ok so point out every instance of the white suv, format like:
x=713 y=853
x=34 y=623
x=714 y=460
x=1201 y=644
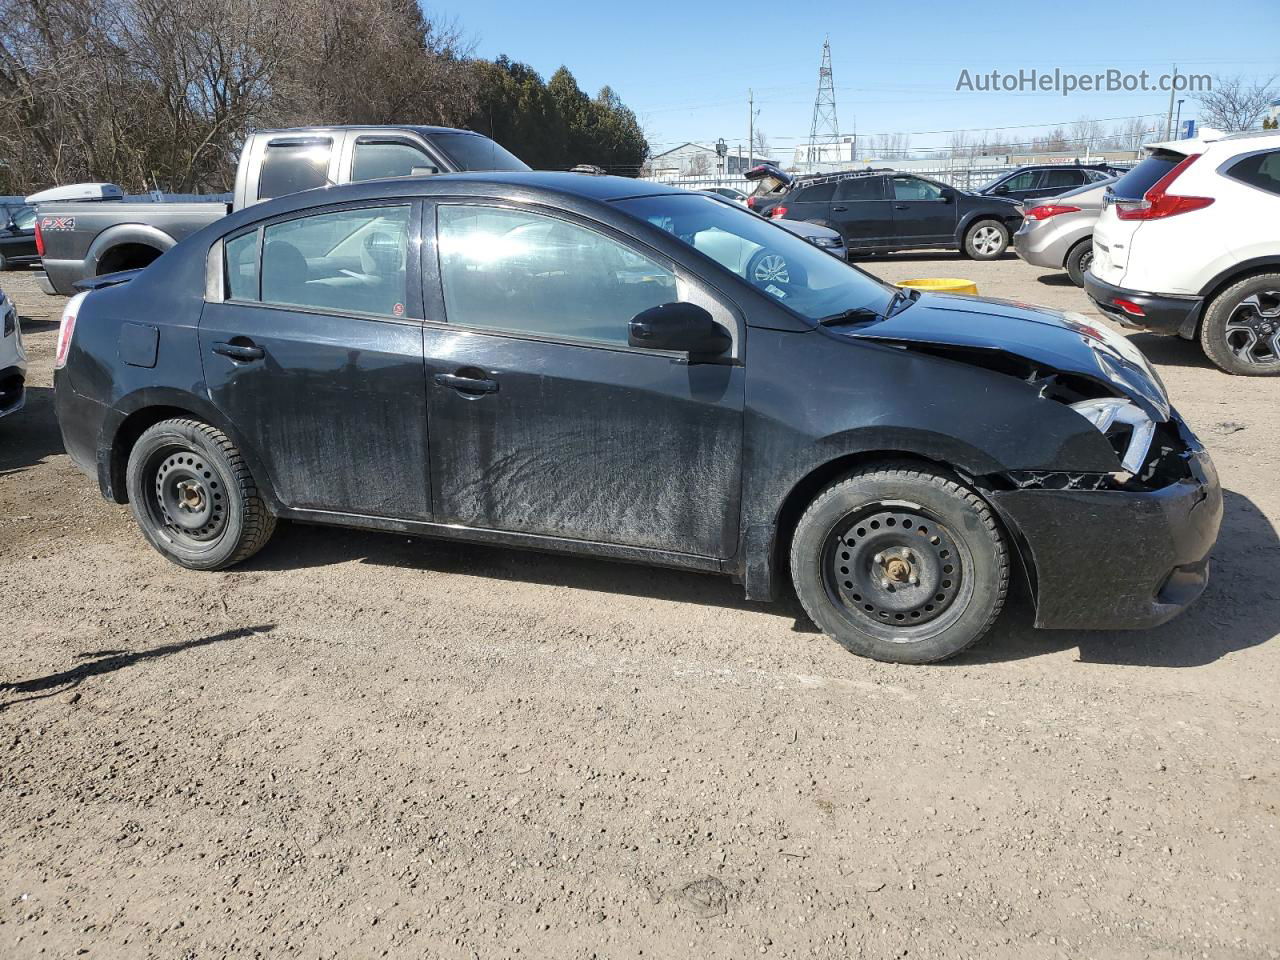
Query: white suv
x=1189 y=244
x=13 y=359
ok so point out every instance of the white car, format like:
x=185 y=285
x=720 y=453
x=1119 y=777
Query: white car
x=1188 y=243
x=13 y=359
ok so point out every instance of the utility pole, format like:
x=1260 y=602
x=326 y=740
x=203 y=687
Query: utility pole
x=1177 y=121
x=751 y=128
x=1173 y=85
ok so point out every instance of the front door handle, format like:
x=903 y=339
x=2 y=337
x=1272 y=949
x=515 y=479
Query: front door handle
x=467 y=384
x=240 y=351
x=839 y=209
x=899 y=206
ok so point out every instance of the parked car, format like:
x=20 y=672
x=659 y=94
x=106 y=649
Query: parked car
x=1187 y=244
x=822 y=237
x=13 y=359
x=737 y=196
x=18 y=237
x=877 y=211
x=589 y=365
x=1047 y=180
x=81 y=233
x=1058 y=232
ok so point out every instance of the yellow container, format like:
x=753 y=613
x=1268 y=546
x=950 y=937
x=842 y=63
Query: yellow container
x=942 y=285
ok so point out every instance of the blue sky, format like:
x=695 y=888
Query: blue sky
x=685 y=68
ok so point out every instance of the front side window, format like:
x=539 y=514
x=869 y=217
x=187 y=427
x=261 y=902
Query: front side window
x=376 y=160
x=1023 y=181
x=470 y=151
x=1262 y=170
x=528 y=273
x=24 y=218
x=348 y=261
x=910 y=188
x=294 y=165
x=775 y=261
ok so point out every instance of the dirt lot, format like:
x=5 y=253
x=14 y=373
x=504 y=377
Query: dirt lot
x=361 y=745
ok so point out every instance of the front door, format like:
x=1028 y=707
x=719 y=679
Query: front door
x=543 y=420
x=921 y=215
x=315 y=356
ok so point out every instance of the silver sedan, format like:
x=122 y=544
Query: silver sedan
x=1058 y=231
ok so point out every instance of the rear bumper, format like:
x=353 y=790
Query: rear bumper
x=1113 y=560
x=59 y=276
x=1038 y=243
x=1161 y=312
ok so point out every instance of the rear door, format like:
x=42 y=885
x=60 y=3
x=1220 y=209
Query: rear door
x=543 y=420
x=313 y=351
x=862 y=213
x=920 y=214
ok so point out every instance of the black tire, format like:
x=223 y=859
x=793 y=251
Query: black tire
x=1078 y=261
x=843 y=565
x=1240 y=331
x=986 y=240
x=4 y=264
x=768 y=266
x=194 y=498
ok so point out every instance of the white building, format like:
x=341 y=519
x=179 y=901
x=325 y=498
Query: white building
x=701 y=160
x=826 y=156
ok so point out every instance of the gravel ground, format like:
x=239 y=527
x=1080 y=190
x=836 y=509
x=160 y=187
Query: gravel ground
x=360 y=745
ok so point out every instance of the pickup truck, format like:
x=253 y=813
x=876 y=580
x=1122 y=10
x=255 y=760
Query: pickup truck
x=88 y=230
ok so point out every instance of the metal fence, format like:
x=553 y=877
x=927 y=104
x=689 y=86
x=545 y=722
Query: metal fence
x=962 y=178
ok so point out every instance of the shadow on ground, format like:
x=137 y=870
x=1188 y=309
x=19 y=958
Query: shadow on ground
x=31 y=435
x=99 y=662
x=1172 y=351
x=1055 y=280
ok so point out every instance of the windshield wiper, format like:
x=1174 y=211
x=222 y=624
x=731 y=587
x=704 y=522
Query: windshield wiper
x=856 y=315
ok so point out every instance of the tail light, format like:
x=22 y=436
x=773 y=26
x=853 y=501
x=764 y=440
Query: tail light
x=1157 y=203
x=1047 y=210
x=751 y=202
x=66 y=328
x=777 y=213
x=39 y=239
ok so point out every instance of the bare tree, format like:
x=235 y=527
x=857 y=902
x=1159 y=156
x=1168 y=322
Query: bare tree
x=1235 y=103
x=760 y=143
x=1084 y=135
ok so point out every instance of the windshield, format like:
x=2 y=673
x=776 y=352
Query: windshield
x=791 y=270
x=470 y=151
x=991 y=184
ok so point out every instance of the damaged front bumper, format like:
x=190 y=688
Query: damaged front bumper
x=1117 y=558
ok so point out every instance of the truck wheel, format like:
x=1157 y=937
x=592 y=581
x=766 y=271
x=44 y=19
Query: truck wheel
x=1079 y=260
x=194 y=498
x=986 y=240
x=1240 y=332
x=900 y=563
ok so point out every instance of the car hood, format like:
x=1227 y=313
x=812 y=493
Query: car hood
x=1066 y=342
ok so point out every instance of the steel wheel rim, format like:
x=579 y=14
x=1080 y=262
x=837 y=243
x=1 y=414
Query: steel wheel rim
x=1086 y=261
x=1252 y=330
x=986 y=239
x=185 y=497
x=772 y=267
x=873 y=554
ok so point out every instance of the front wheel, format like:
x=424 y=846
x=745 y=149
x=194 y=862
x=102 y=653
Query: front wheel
x=1240 y=332
x=986 y=240
x=194 y=497
x=900 y=563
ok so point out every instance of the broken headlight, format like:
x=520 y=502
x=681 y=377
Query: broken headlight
x=1124 y=424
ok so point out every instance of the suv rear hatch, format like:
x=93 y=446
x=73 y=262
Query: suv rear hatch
x=1113 y=237
x=772 y=185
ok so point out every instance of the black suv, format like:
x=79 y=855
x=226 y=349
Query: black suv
x=879 y=210
x=1047 y=180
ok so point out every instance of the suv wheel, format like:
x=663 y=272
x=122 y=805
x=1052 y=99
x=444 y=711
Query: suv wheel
x=986 y=240
x=1240 y=332
x=1079 y=260
x=194 y=498
x=900 y=563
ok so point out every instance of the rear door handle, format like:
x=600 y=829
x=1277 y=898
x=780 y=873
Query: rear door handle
x=899 y=206
x=240 y=351
x=839 y=209
x=467 y=384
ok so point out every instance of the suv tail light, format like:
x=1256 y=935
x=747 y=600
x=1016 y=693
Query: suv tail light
x=39 y=239
x=1158 y=203
x=1047 y=210
x=777 y=213
x=66 y=328
x=751 y=201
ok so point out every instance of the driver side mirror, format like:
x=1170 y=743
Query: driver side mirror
x=1002 y=189
x=681 y=326
x=425 y=171
x=947 y=196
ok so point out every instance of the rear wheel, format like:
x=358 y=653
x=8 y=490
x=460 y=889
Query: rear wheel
x=1240 y=332
x=986 y=240
x=194 y=498
x=1079 y=260
x=900 y=563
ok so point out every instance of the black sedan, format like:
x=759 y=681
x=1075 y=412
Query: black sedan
x=592 y=365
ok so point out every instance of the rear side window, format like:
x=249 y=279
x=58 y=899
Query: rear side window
x=376 y=159
x=1062 y=178
x=349 y=261
x=1134 y=184
x=1262 y=170
x=292 y=166
x=860 y=188
x=819 y=193
x=241 y=265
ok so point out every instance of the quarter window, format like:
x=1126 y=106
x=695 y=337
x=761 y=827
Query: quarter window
x=349 y=261
x=294 y=165
x=524 y=272
x=1262 y=170
x=241 y=259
